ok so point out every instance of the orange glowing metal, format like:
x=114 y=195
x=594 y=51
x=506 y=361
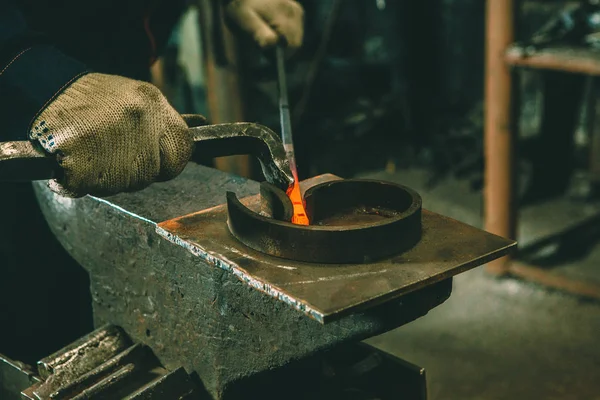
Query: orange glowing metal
x=299 y=217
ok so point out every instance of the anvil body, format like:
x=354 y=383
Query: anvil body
x=189 y=311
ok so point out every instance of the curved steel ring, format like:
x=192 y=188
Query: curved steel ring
x=352 y=221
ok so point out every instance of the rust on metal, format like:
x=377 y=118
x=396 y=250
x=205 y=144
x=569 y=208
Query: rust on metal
x=447 y=247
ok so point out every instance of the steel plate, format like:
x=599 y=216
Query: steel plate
x=325 y=293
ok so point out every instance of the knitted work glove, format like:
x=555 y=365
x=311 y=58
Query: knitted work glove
x=267 y=20
x=112 y=134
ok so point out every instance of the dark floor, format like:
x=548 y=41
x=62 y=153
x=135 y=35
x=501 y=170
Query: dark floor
x=504 y=338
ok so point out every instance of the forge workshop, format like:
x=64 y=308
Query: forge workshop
x=299 y=199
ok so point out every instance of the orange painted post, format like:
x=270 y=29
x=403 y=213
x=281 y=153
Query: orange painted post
x=500 y=208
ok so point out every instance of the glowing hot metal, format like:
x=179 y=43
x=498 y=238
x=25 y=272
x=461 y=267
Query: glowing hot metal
x=299 y=217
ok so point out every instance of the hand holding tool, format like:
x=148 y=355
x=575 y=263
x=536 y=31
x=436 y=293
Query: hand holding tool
x=293 y=192
x=25 y=161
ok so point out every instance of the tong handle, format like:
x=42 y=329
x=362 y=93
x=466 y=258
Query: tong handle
x=247 y=138
x=22 y=161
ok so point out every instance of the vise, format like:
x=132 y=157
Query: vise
x=165 y=268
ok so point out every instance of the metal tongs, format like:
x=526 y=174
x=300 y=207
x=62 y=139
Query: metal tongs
x=25 y=161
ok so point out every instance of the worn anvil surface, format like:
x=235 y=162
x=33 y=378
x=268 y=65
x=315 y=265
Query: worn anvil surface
x=189 y=312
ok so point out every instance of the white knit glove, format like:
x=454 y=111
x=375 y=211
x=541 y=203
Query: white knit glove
x=112 y=134
x=268 y=20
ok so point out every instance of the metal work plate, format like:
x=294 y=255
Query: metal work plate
x=326 y=292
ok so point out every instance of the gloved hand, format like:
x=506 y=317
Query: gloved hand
x=268 y=20
x=112 y=134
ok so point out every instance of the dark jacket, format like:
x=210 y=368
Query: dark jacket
x=40 y=284
x=46 y=44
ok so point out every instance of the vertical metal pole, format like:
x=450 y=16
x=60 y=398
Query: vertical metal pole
x=500 y=134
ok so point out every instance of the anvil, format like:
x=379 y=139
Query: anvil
x=226 y=313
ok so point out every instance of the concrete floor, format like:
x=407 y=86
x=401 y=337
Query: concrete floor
x=504 y=338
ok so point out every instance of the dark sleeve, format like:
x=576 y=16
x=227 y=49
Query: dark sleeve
x=32 y=73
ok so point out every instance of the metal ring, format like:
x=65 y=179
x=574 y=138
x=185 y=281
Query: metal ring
x=352 y=221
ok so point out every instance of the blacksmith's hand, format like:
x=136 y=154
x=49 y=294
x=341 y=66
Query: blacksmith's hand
x=267 y=21
x=112 y=134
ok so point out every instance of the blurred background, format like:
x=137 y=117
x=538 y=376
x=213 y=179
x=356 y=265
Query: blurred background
x=486 y=108
x=396 y=90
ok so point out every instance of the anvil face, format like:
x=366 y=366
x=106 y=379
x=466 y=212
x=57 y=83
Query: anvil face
x=326 y=292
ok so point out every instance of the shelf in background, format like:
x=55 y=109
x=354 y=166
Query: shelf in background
x=582 y=60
